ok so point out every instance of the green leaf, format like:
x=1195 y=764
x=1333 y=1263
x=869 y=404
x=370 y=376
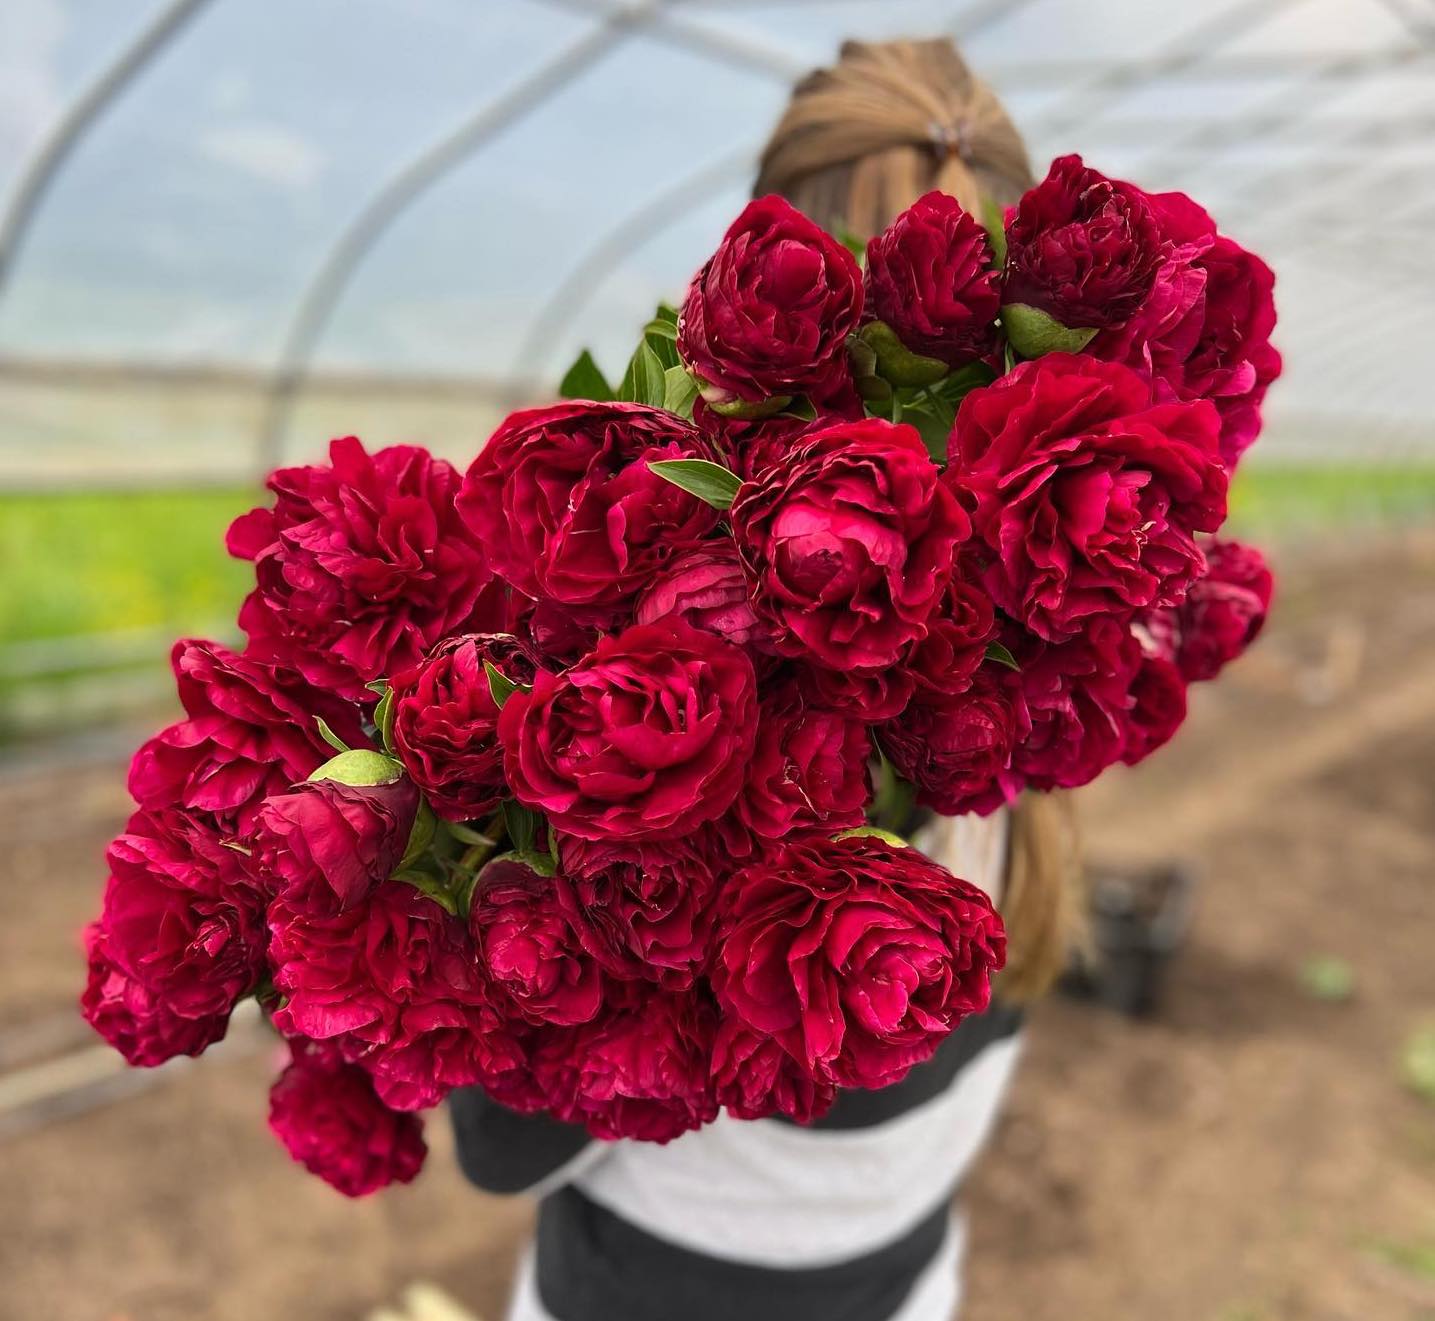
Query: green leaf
x=384 y=719
x=680 y=391
x=1033 y=332
x=420 y=836
x=584 y=380
x=328 y=735
x=708 y=481
x=802 y=407
x=431 y=886
x=994 y=221
x=521 y=823
x=467 y=834
x=359 y=766
x=956 y=387
x=1002 y=656
x=934 y=428
x=874 y=832
x=748 y=410
x=643 y=382
x=895 y=361
x=500 y=686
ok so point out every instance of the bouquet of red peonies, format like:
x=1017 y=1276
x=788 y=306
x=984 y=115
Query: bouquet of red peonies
x=575 y=777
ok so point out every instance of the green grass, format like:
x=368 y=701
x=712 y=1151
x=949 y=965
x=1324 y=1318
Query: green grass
x=92 y=562
x=1272 y=500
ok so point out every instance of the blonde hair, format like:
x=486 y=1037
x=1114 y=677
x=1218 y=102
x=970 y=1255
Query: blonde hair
x=858 y=143
x=864 y=139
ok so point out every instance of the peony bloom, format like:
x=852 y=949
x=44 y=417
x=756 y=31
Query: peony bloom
x=808 y=767
x=754 y=1077
x=1225 y=610
x=347 y=838
x=1085 y=497
x=566 y=508
x=1079 y=696
x=958 y=751
x=1158 y=706
x=871 y=695
x=139 y=1023
x=330 y=1120
x=1204 y=330
x=1082 y=248
x=528 y=948
x=361 y=566
x=643 y=911
x=929 y=277
x=645 y=738
x=705 y=588
x=769 y=314
x=446 y=723
x=391 y=975
x=848 y=546
x=180 y=937
x=943 y=663
x=856 y=955
x=639 y=1072
x=249 y=730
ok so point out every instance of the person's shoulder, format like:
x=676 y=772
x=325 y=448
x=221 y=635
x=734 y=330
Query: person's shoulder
x=502 y=1151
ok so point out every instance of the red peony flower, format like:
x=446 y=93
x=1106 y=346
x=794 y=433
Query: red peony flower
x=182 y=917
x=361 y=566
x=138 y=1022
x=856 y=955
x=871 y=695
x=528 y=948
x=645 y=738
x=848 y=546
x=446 y=723
x=370 y=974
x=1224 y=611
x=250 y=730
x=1086 y=497
x=943 y=663
x=643 y=911
x=640 y=1072
x=1204 y=330
x=1079 y=697
x=1158 y=694
x=808 y=767
x=754 y=1078
x=348 y=838
x=958 y=751
x=329 y=1119
x=1081 y=247
x=770 y=312
x=566 y=508
x=929 y=277
x=705 y=588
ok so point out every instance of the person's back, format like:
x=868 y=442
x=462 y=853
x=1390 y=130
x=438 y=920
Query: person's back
x=849 y=1218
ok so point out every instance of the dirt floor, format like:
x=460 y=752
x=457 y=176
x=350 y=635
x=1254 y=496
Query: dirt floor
x=1251 y=1153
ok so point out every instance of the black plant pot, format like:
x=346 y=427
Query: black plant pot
x=1139 y=917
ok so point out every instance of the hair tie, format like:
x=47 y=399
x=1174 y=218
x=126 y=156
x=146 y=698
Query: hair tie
x=950 y=140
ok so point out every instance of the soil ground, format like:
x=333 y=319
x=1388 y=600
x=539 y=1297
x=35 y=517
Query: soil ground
x=1250 y=1153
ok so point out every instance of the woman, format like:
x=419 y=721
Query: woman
x=848 y=1219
